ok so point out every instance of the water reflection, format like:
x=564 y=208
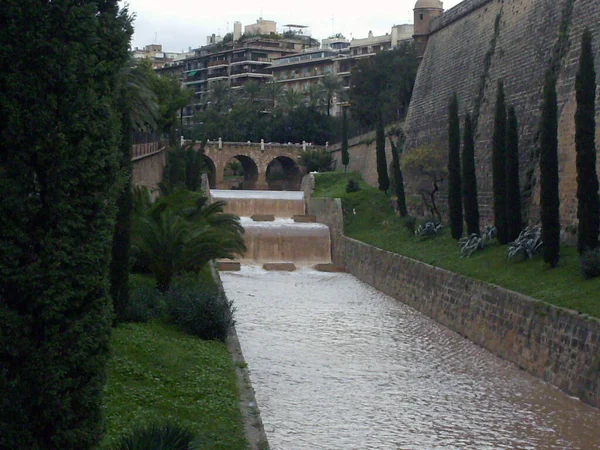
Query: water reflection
x=338 y=365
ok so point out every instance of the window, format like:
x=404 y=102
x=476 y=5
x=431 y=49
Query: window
x=421 y=16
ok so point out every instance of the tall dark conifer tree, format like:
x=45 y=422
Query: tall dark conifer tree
x=469 y=179
x=59 y=160
x=499 y=165
x=454 y=181
x=382 y=172
x=345 y=155
x=549 y=196
x=398 y=177
x=588 y=202
x=513 y=191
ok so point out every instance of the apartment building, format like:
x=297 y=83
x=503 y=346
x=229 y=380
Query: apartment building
x=336 y=58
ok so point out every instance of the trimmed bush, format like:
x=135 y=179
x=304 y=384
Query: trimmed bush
x=590 y=263
x=145 y=302
x=352 y=186
x=168 y=436
x=199 y=312
x=409 y=223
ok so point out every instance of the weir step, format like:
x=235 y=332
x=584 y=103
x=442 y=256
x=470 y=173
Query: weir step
x=284 y=267
x=228 y=266
x=263 y=217
x=305 y=219
x=329 y=268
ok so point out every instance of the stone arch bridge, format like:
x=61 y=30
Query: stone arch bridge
x=261 y=165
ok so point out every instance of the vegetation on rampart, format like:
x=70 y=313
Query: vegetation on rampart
x=374 y=222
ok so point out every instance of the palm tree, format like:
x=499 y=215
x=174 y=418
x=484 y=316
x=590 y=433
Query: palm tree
x=331 y=85
x=293 y=99
x=182 y=232
x=219 y=95
x=273 y=92
x=315 y=95
x=250 y=92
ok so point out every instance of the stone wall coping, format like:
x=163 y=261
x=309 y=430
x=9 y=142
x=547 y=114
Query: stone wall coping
x=137 y=158
x=266 y=144
x=456 y=13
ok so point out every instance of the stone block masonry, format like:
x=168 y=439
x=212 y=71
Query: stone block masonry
x=468 y=54
x=557 y=345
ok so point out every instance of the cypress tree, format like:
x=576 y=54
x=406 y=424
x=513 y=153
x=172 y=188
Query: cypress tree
x=499 y=166
x=549 y=197
x=345 y=155
x=513 y=192
x=469 y=179
x=398 y=178
x=588 y=201
x=59 y=161
x=454 y=181
x=119 y=262
x=382 y=172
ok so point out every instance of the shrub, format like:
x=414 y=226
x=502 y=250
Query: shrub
x=528 y=244
x=168 y=436
x=410 y=223
x=200 y=312
x=352 y=186
x=428 y=230
x=590 y=263
x=145 y=302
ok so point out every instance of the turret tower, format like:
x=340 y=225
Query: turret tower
x=425 y=12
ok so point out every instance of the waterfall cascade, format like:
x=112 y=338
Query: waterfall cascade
x=277 y=229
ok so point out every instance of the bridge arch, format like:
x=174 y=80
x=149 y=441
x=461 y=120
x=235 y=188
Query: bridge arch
x=211 y=171
x=250 y=173
x=283 y=174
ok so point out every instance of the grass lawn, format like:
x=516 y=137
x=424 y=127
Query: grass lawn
x=370 y=218
x=157 y=373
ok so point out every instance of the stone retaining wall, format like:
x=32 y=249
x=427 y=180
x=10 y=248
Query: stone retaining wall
x=557 y=345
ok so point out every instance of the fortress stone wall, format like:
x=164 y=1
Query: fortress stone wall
x=479 y=42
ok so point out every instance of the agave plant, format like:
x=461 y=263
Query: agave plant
x=528 y=244
x=474 y=242
x=428 y=230
x=158 y=437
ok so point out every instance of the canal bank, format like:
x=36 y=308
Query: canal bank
x=557 y=345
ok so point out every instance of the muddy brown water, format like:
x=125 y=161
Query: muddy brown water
x=338 y=365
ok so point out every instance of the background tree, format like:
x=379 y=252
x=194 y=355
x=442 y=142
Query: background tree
x=499 y=165
x=588 y=201
x=454 y=181
x=383 y=84
x=549 y=196
x=138 y=109
x=331 y=85
x=382 y=171
x=469 y=179
x=59 y=163
x=170 y=97
x=514 y=223
x=345 y=155
x=427 y=165
x=397 y=148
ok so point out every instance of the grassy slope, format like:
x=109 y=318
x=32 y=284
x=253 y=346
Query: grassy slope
x=375 y=223
x=158 y=373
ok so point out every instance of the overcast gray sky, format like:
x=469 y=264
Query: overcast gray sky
x=180 y=24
